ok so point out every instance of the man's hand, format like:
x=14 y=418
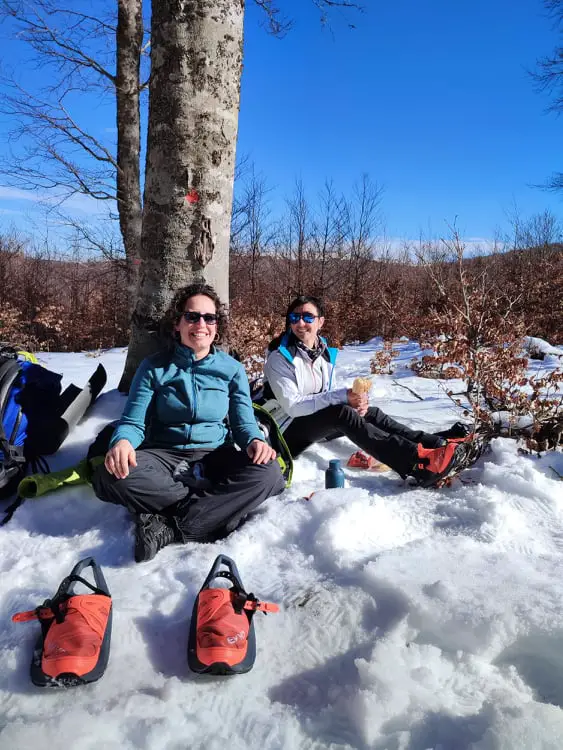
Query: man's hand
x=119 y=458
x=358 y=401
x=260 y=452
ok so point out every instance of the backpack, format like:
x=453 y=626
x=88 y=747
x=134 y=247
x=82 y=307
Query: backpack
x=273 y=436
x=35 y=417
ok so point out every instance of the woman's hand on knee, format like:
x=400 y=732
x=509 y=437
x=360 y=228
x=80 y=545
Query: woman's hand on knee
x=260 y=452
x=120 y=458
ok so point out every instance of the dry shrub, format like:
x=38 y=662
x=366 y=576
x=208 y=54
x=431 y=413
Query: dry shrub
x=481 y=342
x=381 y=363
x=249 y=335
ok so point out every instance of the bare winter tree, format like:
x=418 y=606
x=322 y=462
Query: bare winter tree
x=549 y=76
x=539 y=230
x=196 y=59
x=300 y=233
x=328 y=238
x=252 y=229
x=181 y=233
x=363 y=221
x=85 y=55
x=196 y=62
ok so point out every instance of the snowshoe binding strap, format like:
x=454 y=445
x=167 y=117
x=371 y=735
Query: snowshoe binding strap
x=222 y=638
x=73 y=647
x=257 y=606
x=55 y=608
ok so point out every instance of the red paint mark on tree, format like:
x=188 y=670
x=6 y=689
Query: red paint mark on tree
x=192 y=196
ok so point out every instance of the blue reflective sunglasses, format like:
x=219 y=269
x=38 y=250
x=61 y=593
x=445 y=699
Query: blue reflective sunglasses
x=295 y=317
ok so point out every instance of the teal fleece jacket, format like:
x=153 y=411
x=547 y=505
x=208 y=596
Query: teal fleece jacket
x=176 y=401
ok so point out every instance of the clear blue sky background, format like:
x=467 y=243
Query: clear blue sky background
x=431 y=98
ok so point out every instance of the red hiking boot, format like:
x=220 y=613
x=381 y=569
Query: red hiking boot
x=436 y=464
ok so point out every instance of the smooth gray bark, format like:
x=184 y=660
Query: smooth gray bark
x=129 y=40
x=196 y=62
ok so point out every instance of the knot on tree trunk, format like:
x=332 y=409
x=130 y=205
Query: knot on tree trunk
x=146 y=322
x=204 y=246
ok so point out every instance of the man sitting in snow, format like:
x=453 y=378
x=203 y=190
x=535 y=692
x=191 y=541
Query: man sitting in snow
x=299 y=373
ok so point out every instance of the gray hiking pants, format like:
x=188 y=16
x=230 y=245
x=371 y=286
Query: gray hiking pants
x=234 y=488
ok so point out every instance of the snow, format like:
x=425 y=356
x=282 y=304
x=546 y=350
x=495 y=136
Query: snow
x=410 y=619
x=532 y=344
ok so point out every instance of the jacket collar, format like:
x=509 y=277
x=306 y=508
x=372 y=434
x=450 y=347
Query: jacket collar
x=288 y=349
x=183 y=355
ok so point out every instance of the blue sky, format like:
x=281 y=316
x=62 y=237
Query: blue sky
x=431 y=99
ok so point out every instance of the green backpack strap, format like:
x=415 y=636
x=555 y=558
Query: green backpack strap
x=273 y=436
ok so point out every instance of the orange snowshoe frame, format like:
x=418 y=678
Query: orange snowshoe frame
x=222 y=639
x=73 y=648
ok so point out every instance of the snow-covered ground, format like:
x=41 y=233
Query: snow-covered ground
x=410 y=619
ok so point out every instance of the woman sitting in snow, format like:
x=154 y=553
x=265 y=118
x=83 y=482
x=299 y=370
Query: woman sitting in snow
x=298 y=391
x=175 y=415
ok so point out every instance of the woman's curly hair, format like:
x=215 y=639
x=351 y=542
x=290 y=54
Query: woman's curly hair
x=176 y=309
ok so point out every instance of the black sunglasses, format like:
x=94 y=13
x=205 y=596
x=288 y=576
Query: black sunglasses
x=194 y=317
x=295 y=317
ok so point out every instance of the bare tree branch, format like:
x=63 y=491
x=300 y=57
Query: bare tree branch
x=548 y=78
x=279 y=25
x=63 y=44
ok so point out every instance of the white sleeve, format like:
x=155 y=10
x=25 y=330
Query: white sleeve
x=280 y=375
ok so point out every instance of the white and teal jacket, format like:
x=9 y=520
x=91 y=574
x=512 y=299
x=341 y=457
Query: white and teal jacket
x=295 y=386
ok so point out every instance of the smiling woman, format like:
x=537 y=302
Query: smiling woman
x=172 y=460
x=197 y=326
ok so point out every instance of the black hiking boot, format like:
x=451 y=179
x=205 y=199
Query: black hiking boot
x=152 y=533
x=457 y=430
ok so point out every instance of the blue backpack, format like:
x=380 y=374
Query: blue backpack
x=35 y=417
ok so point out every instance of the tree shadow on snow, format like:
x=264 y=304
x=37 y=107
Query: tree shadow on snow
x=538 y=659
x=324 y=696
x=323 y=699
x=166 y=637
x=439 y=729
x=390 y=607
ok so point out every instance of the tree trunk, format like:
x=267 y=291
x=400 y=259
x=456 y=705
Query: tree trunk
x=196 y=59
x=129 y=38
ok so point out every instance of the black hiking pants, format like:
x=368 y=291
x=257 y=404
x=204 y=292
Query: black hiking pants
x=234 y=488
x=377 y=434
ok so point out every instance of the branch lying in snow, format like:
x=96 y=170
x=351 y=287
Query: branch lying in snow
x=410 y=390
x=556 y=472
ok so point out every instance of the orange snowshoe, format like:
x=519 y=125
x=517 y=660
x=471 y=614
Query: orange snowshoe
x=438 y=466
x=361 y=460
x=222 y=639
x=73 y=648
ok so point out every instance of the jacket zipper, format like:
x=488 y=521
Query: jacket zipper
x=312 y=366
x=194 y=406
